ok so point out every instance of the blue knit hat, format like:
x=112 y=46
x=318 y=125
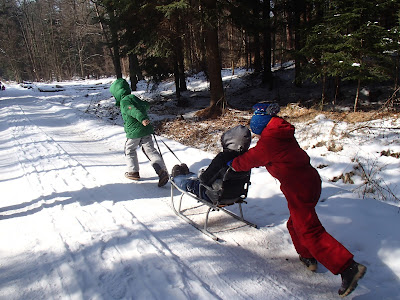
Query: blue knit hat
x=263 y=113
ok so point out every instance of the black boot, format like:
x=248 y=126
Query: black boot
x=184 y=169
x=350 y=278
x=162 y=175
x=176 y=170
x=181 y=169
x=163 y=178
x=310 y=263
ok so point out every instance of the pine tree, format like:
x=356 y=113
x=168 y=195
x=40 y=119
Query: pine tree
x=350 y=43
x=175 y=13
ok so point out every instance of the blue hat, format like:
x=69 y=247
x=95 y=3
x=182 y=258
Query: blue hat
x=263 y=113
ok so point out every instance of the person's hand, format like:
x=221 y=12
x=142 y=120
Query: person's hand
x=145 y=122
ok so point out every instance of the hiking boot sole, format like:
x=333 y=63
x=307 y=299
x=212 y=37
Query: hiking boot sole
x=353 y=284
x=136 y=178
x=164 y=177
x=311 y=267
x=163 y=182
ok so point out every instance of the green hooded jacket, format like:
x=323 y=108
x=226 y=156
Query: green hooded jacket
x=133 y=110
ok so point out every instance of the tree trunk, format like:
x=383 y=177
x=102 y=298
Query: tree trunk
x=357 y=95
x=396 y=76
x=133 y=70
x=181 y=66
x=257 y=55
x=217 y=100
x=299 y=11
x=323 y=96
x=273 y=46
x=116 y=56
x=255 y=32
x=176 y=77
x=230 y=45
x=247 y=50
x=267 y=72
x=337 y=90
x=29 y=49
x=115 y=43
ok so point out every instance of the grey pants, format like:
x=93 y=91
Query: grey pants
x=152 y=154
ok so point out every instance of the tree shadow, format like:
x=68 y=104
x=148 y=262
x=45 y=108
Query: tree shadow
x=116 y=192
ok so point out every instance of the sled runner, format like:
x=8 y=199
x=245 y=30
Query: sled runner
x=238 y=183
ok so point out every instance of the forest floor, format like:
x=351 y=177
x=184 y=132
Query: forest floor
x=298 y=105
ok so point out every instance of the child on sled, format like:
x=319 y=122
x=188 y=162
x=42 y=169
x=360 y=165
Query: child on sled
x=234 y=142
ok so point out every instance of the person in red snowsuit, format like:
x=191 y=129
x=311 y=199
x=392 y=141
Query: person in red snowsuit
x=278 y=151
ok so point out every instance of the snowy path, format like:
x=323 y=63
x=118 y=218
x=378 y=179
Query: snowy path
x=94 y=246
x=72 y=227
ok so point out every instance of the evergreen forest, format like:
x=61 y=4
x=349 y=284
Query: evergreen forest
x=328 y=41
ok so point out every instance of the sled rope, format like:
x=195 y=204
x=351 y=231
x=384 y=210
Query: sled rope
x=167 y=148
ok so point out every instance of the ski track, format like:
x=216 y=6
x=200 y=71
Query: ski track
x=103 y=255
x=48 y=169
x=42 y=160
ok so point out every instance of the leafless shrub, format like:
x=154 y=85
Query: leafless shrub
x=322 y=166
x=373 y=184
x=346 y=178
x=333 y=147
x=390 y=153
x=319 y=144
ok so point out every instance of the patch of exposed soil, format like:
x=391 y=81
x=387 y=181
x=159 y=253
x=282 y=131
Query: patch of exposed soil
x=294 y=113
x=205 y=134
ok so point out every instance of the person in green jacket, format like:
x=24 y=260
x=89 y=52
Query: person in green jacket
x=138 y=131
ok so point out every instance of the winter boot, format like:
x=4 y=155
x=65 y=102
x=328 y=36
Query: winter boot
x=350 y=278
x=162 y=174
x=184 y=169
x=310 y=263
x=176 y=170
x=132 y=175
x=163 y=178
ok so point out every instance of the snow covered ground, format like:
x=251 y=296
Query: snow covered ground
x=72 y=227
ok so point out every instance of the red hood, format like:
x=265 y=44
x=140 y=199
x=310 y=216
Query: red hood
x=278 y=128
x=277 y=150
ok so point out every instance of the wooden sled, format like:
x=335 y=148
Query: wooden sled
x=238 y=183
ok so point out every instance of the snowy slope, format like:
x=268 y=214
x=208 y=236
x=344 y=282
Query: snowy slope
x=72 y=227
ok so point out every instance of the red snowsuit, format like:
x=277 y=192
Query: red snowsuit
x=279 y=152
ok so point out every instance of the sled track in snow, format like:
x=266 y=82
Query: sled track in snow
x=104 y=246
x=49 y=169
